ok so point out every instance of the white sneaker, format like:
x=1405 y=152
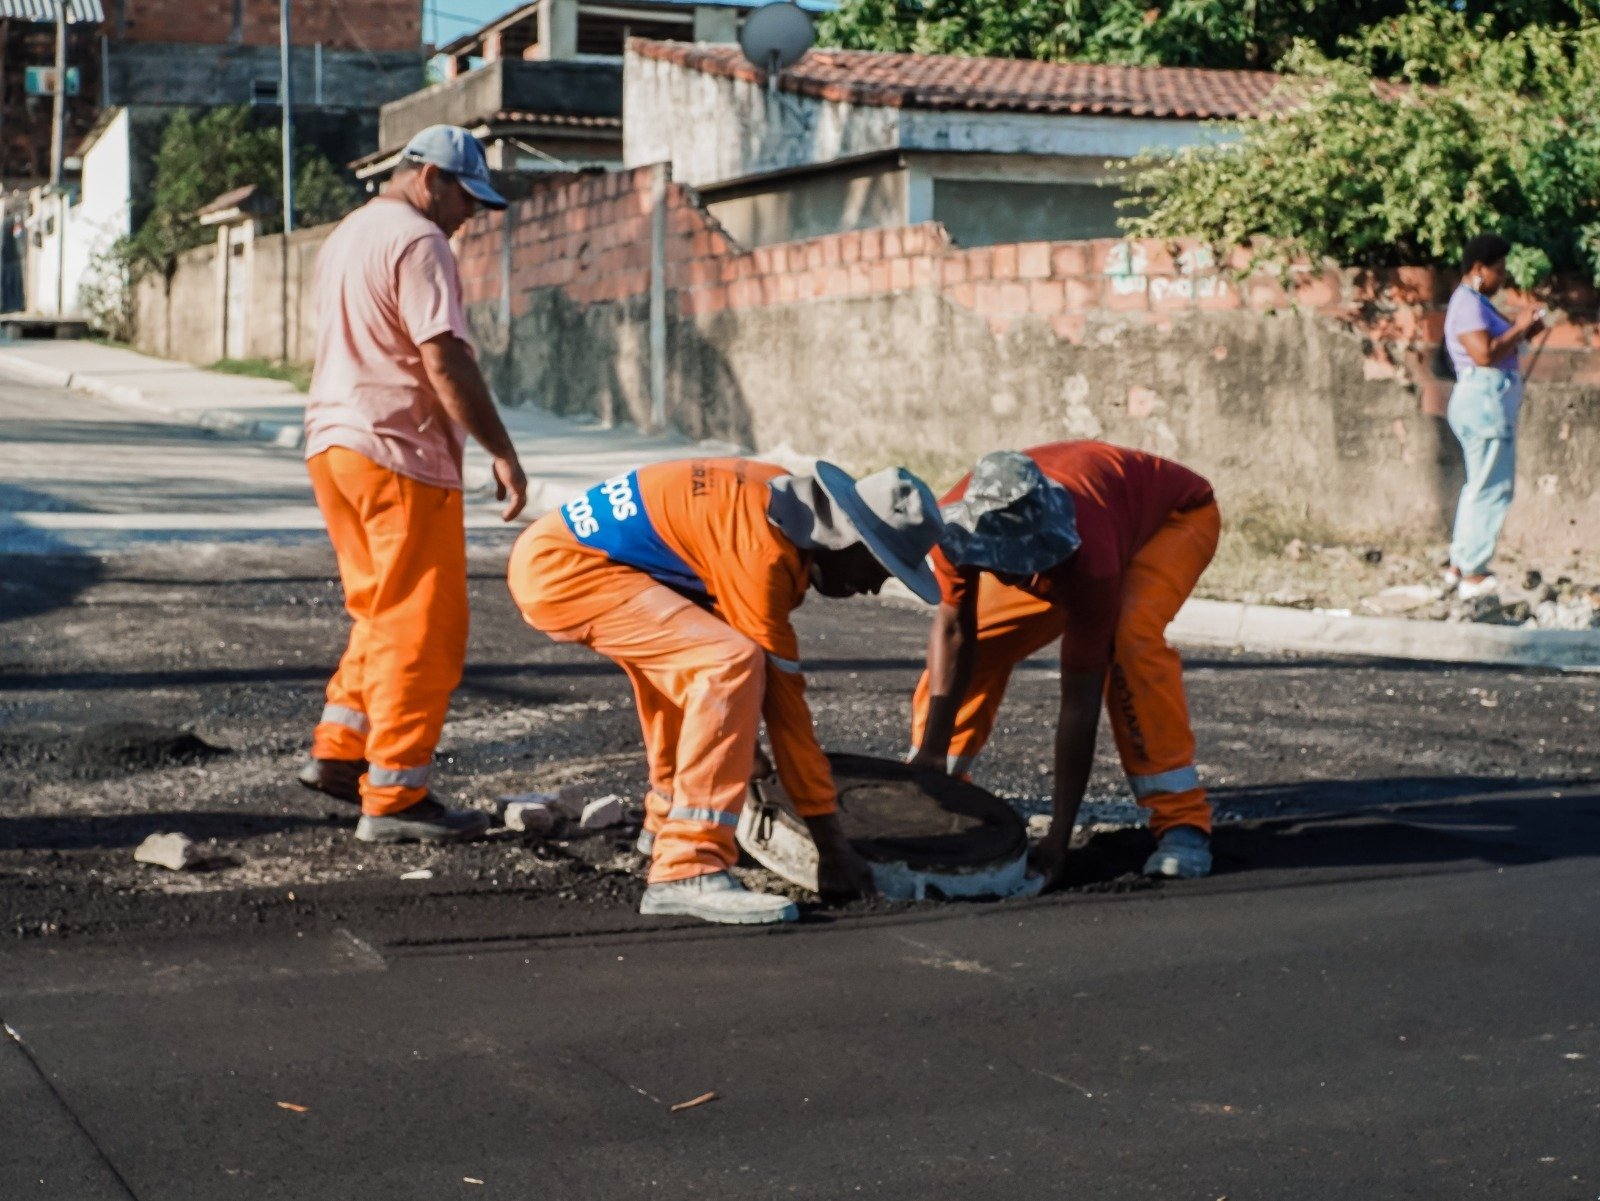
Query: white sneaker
x=1488 y=586
x=1184 y=853
x=717 y=897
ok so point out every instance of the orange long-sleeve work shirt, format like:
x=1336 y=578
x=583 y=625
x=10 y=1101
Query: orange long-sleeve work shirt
x=709 y=516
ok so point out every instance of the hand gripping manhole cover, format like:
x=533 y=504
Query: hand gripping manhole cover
x=923 y=834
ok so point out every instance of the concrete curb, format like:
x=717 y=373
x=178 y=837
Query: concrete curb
x=223 y=421
x=1267 y=627
x=1238 y=626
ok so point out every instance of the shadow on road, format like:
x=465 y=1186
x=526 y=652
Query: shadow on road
x=1474 y=831
x=62 y=832
x=31 y=585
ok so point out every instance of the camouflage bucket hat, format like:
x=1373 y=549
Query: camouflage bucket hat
x=1012 y=519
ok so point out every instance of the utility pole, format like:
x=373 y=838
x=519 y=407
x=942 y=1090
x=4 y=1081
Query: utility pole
x=286 y=102
x=58 y=102
x=58 y=151
x=286 y=99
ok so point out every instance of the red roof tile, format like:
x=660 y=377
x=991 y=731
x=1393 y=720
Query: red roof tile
x=949 y=83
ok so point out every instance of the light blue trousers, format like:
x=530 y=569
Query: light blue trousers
x=1483 y=417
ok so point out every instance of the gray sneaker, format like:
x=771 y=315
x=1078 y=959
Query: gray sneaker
x=717 y=897
x=426 y=821
x=1184 y=853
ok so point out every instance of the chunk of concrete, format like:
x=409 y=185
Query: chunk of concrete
x=175 y=852
x=602 y=812
x=530 y=817
x=1039 y=825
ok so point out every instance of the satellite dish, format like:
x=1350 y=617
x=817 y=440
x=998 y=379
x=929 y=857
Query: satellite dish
x=776 y=36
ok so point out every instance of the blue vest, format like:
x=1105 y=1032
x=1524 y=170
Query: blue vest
x=611 y=518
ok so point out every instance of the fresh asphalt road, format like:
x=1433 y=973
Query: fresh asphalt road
x=1388 y=990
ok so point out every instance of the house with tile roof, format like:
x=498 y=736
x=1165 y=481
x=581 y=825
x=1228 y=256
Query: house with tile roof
x=541 y=84
x=998 y=150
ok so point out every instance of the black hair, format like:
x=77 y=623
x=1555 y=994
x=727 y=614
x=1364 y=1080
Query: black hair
x=1485 y=249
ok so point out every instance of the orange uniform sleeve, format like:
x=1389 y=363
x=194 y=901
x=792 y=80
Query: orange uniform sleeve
x=757 y=598
x=802 y=767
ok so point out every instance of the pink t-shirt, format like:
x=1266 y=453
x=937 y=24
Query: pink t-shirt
x=385 y=282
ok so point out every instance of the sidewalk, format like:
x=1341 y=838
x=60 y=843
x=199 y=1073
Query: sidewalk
x=564 y=456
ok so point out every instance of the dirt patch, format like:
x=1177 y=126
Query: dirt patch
x=107 y=749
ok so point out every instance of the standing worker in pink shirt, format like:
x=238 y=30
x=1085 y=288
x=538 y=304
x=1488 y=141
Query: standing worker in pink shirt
x=395 y=390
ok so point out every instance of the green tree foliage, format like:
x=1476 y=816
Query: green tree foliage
x=203 y=156
x=1473 y=132
x=1199 y=33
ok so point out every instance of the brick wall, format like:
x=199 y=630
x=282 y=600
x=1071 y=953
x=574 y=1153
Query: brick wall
x=370 y=25
x=590 y=237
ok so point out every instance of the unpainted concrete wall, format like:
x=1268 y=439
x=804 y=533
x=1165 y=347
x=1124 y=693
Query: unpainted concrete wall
x=181 y=318
x=870 y=196
x=1300 y=386
x=177 y=73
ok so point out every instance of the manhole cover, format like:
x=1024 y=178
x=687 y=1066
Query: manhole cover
x=921 y=832
x=923 y=819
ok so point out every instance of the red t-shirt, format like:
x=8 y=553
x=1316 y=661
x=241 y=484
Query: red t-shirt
x=1123 y=497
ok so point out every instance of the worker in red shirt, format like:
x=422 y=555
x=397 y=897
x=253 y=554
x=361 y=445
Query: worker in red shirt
x=685 y=574
x=1097 y=546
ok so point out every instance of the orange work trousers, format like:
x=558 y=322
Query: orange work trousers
x=699 y=686
x=402 y=552
x=1144 y=685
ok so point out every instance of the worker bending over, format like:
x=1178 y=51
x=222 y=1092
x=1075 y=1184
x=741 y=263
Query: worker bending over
x=1098 y=546
x=685 y=575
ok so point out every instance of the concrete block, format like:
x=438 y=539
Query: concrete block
x=175 y=852
x=603 y=812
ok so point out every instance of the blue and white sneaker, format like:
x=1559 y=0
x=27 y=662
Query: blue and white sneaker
x=1184 y=853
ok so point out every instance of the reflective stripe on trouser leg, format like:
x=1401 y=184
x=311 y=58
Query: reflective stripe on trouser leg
x=399 y=777
x=401 y=546
x=1179 y=779
x=711 y=817
x=1011 y=626
x=1144 y=688
x=341 y=733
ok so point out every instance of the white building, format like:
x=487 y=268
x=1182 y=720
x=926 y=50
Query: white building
x=69 y=230
x=999 y=150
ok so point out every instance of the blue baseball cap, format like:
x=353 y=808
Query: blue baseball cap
x=453 y=149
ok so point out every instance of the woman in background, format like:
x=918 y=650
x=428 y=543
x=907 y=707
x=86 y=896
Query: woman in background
x=1483 y=346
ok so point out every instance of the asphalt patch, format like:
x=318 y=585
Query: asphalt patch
x=107 y=749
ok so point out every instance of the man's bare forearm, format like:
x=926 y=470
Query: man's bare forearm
x=464 y=393
x=952 y=650
x=1076 y=731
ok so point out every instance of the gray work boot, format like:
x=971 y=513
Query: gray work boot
x=338 y=778
x=717 y=897
x=426 y=821
x=1184 y=853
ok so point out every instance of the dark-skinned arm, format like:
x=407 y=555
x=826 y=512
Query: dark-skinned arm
x=1486 y=351
x=462 y=390
x=952 y=651
x=1077 y=725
